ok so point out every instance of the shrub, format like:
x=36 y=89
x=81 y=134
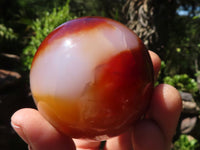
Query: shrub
x=182 y=82
x=183 y=143
x=41 y=28
x=7 y=33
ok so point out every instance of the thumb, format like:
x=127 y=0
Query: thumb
x=38 y=133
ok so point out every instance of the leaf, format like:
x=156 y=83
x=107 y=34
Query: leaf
x=178 y=50
x=41 y=28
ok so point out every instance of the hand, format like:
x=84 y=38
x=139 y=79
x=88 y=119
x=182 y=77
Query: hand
x=154 y=132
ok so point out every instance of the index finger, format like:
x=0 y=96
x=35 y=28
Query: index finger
x=156 y=61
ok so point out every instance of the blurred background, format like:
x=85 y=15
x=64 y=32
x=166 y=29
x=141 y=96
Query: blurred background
x=171 y=28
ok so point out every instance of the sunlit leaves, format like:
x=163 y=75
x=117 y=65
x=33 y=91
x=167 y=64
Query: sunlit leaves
x=41 y=28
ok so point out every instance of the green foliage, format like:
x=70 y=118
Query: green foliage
x=163 y=65
x=183 y=46
x=7 y=33
x=41 y=28
x=105 y=8
x=183 y=143
x=182 y=82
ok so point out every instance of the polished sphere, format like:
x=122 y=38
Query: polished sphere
x=92 y=78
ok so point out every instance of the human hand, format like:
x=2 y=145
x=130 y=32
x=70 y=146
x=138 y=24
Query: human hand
x=154 y=132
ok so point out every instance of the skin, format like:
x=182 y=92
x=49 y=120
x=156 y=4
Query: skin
x=155 y=131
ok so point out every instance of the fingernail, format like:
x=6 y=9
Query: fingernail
x=19 y=131
x=14 y=125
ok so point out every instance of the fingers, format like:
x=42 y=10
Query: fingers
x=164 y=112
x=165 y=109
x=121 y=142
x=166 y=104
x=156 y=63
x=148 y=136
x=86 y=145
x=38 y=133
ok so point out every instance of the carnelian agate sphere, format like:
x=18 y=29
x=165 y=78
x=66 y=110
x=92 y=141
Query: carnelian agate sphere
x=92 y=78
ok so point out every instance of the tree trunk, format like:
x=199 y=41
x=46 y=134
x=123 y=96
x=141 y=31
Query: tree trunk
x=140 y=16
x=150 y=20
